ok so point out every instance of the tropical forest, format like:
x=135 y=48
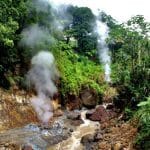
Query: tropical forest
x=72 y=78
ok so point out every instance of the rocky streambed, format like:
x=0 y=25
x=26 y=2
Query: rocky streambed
x=36 y=136
x=100 y=128
x=65 y=133
x=73 y=131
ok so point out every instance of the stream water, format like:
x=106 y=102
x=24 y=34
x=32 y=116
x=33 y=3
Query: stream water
x=73 y=143
x=57 y=137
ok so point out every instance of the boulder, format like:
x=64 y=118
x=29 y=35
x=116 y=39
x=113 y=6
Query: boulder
x=75 y=118
x=89 y=98
x=100 y=114
x=87 y=139
x=73 y=103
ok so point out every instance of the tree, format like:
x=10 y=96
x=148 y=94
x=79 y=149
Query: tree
x=11 y=14
x=131 y=50
x=82 y=28
x=110 y=21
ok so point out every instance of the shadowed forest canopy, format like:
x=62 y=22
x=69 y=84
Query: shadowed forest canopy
x=82 y=28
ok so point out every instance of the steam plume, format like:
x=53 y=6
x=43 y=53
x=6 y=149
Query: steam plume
x=42 y=75
x=103 y=50
x=34 y=35
x=43 y=71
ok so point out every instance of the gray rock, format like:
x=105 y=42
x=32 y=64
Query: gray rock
x=74 y=115
x=87 y=139
x=37 y=136
x=98 y=136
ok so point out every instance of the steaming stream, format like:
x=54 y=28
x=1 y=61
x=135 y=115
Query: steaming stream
x=54 y=137
x=73 y=143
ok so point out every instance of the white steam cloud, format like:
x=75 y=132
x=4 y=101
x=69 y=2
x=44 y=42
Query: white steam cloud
x=41 y=76
x=34 y=35
x=102 y=31
x=43 y=72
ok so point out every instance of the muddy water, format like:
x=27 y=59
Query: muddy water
x=56 y=137
x=73 y=143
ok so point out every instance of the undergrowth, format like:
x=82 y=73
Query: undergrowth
x=78 y=71
x=143 y=114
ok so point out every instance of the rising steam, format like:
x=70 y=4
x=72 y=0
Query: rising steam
x=42 y=76
x=43 y=71
x=102 y=31
x=34 y=35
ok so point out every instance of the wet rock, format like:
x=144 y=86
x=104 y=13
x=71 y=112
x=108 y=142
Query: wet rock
x=87 y=138
x=90 y=141
x=27 y=147
x=74 y=118
x=76 y=122
x=38 y=136
x=89 y=113
x=89 y=98
x=74 y=115
x=98 y=136
x=100 y=114
x=92 y=146
x=55 y=140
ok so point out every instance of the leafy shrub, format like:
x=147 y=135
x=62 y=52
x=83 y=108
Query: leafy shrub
x=144 y=124
x=77 y=71
x=128 y=113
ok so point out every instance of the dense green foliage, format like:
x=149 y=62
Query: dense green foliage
x=130 y=56
x=130 y=47
x=81 y=29
x=78 y=72
x=11 y=22
x=143 y=115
